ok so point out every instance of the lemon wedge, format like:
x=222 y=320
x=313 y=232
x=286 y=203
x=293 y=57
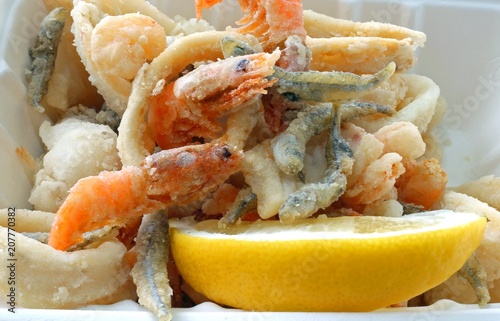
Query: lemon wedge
x=323 y=264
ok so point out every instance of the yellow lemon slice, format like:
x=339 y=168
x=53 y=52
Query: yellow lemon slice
x=323 y=264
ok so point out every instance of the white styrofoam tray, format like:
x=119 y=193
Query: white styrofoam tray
x=462 y=55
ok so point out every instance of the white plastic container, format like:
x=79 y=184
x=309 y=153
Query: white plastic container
x=462 y=55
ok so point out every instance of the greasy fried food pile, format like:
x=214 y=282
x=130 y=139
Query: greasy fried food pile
x=290 y=115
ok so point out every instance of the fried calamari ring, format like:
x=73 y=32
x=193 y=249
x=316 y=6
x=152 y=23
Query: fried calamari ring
x=421 y=100
x=360 y=55
x=485 y=189
x=47 y=278
x=460 y=202
x=322 y=26
x=27 y=220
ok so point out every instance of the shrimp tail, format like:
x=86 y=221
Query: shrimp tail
x=111 y=198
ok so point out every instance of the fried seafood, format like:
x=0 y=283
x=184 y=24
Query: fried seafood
x=70 y=279
x=90 y=239
x=69 y=84
x=328 y=86
x=376 y=180
x=319 y=25
x=265 y=179
x=486 y=189
x=418 y=107
x=270 y=21
x=475 y=274
x=240 y=124
x=422 y=183
x=360 y=55
x=460 y=202
x=71 y=141
x=289 y=147
x=402 y=138
x=244 y=203
x=290 y=115
x=191 y=106
x=365 y=150
x=29 y=221
x=232 y=47
x=137 y=35
x=309 y=198
x=280 y=109
x=135 y=142
x=177 y=176
x=113 y=48
x=43 y=55
x=359 y=47
x=150 y=272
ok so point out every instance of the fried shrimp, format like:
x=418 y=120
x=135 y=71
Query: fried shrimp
x=376 y=180
x=422 y=183
x=114 y=47
x=270 y=21
x=135 y=141
x=191 y=106
x=120 y=45
x=177 y=176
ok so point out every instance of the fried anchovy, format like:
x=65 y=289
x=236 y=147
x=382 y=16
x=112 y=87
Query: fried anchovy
x=150 y=272
x=475 y=274
x=43 y=55
x=325 y=86
x=313 y=196
x=337 y=148
x=232 y=47
x=245 y=202
x=289 y=147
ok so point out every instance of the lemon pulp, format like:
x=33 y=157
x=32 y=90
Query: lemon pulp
x=323 y=264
